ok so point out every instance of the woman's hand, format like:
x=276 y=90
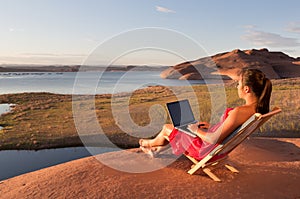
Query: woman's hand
x=193 y=127
x=203 y=125
x=199 y=129
x=200 y=125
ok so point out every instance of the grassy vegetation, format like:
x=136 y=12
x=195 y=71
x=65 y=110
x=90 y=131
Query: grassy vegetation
x=44 y=120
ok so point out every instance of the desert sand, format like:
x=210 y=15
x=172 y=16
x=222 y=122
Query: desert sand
x=269 y=168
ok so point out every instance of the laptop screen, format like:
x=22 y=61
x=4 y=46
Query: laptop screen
x=180 y=112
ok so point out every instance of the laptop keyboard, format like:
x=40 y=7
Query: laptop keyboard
x=185 y=128
x=187 y=131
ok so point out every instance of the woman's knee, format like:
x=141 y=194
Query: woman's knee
x=168 y=127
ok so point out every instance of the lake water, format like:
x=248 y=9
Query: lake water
x=17 y=162
x=4 y=108
x=84 y=82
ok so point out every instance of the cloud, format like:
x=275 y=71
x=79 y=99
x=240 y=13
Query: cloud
x=165 y=10
x=51 y=55
x=262 y=38
x=249 y=26
x=42 y=58
x=15 y=29
x=294 y=27
x=90 y=39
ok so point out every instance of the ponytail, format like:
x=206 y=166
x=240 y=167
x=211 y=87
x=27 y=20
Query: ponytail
x=263 y=103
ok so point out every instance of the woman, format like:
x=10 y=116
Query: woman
x=253 y=87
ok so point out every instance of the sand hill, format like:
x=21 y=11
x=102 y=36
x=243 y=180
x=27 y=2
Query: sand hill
x=275 y=64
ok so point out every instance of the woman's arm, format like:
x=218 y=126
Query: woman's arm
x=235 y=118
x=202 y=133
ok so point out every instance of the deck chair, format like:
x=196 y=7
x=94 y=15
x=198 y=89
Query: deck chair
x=220 y=152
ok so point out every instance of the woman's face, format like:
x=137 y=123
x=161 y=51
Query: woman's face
x=240 y=88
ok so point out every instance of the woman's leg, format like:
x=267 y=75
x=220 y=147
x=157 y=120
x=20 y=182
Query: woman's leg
x=159 y=140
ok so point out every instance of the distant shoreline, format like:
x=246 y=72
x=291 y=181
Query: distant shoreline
x=76 y=68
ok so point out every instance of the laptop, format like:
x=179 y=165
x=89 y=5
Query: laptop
x=181 y=115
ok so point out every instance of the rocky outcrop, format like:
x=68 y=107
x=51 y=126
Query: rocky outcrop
x=274 y=64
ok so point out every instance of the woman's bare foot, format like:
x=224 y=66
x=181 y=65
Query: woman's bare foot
x=145 y=143
x=153 y=151
x=148 y=151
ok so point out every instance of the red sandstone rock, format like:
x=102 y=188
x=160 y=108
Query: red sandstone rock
x=274 y=64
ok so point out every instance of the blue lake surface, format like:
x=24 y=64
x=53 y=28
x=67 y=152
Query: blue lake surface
x=84 y=82
x=17 y=162
x=4 y=108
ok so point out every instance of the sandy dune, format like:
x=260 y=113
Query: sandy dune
x=269 y=168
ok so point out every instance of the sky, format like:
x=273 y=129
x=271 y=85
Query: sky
x=121 y=31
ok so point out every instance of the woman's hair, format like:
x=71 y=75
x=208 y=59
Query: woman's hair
x=261 y=87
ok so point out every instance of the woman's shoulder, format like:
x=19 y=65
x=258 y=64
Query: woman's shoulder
x=244 y=110
x=239 y=115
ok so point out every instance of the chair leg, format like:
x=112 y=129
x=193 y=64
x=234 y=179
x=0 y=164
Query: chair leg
x=231 y=168
x=192 y=159
x=199 y=165
x=211 y=175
